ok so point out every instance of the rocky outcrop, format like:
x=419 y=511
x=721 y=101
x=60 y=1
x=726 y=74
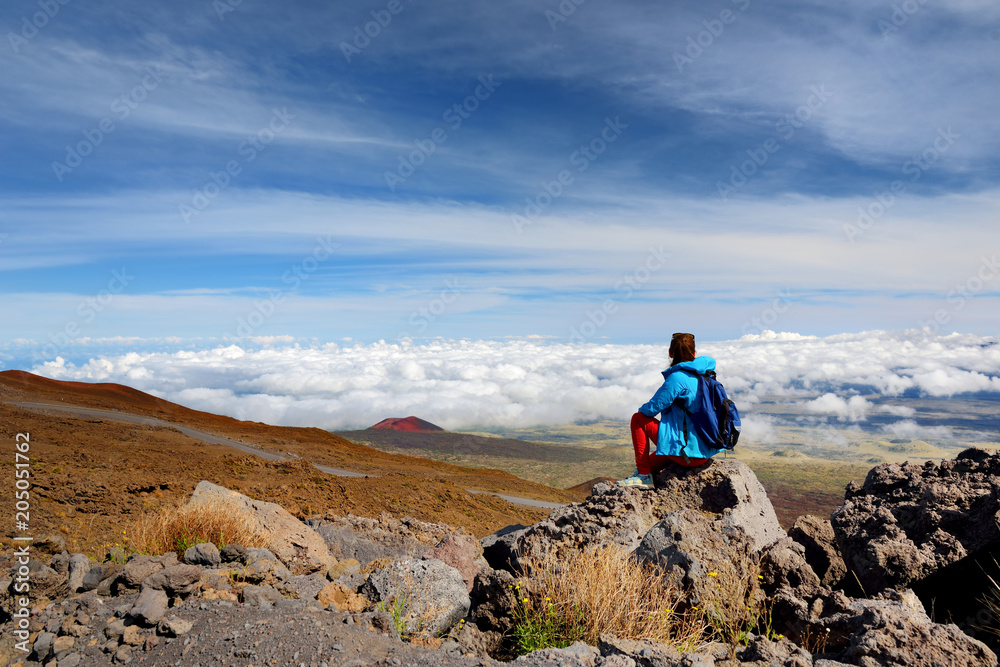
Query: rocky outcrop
x=293 y=542
x=932 y=528
x=908 y=521
x=728 y=490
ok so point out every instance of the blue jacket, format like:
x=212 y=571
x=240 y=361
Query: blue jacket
x=677 y=384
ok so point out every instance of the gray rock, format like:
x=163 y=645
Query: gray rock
x=263 y=567
x=260 y=596
x=206 y=554
x=689 y=545
x=62 y=646
x=71 y=660
x=651 y=654
x=101 y=574
x=175 y=581
x=500 y=548
x=139 y=567
x=233 y=553
x=295 y=544
x=150 y=606
x=896 y=632
x=79 y=566
x=797 y=596
x=490 y=626
x=42 y=647
x=764 y=652
x=60 y=563
x=364 y=546
x=822 y=553
x=123 y=654
x=433 y=594
x=575 y=655
x=115 y=629
x=784 y=565
x=305 y=586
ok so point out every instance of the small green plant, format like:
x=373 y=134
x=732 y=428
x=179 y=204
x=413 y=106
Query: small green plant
x=397 y=608
x=545 y=625
x=237 y=576
x=185 y=541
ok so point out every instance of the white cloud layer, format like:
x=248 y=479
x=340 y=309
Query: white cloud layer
x=463 y=384
x=854 y=409
x=908 y=428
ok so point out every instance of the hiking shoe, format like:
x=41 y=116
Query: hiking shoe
x=637 y=481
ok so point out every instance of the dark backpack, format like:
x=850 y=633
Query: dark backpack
x=714 y=416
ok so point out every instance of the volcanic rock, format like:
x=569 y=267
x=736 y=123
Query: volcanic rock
x=433 y=594
x=293 y=542
x=821 y=550
x=908 y=521
x=622 y=516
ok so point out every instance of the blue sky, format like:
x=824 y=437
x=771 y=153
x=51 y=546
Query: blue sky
x=714 y=157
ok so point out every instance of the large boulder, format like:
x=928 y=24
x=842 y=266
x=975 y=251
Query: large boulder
x=293 y=542
x=429 y=596
x=612 y=515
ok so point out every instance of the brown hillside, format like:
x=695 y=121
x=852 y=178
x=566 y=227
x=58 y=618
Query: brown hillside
x=91 y=475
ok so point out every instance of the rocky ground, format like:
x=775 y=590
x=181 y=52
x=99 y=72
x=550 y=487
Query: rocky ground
x=325 y=591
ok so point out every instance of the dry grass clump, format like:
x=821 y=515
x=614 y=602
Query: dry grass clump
x=734 y=604
x=584 y=594
x=176 y=529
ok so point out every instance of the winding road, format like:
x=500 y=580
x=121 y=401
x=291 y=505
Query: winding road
x=213 y=439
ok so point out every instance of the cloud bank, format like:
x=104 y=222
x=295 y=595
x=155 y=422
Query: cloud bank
x=521 y=383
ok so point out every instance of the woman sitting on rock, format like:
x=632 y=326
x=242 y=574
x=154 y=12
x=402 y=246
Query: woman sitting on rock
x=673 y=444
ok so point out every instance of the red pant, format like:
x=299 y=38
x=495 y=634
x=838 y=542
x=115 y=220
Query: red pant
x=645 y=429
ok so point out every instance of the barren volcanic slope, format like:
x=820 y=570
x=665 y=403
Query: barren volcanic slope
x=91 y=475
